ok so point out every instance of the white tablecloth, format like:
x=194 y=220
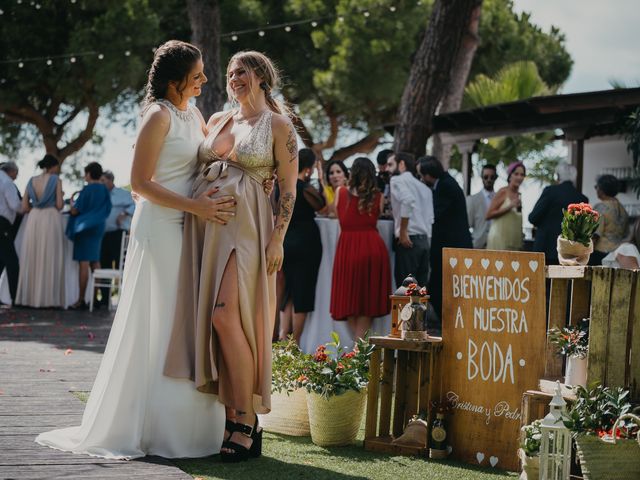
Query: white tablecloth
x=319 y=324
x=71 y=278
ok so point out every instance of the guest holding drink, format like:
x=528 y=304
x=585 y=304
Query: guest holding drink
x=505 y=211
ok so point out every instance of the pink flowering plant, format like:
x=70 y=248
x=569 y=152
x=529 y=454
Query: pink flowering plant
x=579 y=223
x=333 y=369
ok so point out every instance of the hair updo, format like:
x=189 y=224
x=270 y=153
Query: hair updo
x=48 y=161
x=172 y=62
x=268 y=74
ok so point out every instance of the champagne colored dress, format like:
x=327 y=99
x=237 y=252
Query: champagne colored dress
x=41 y=281
x=194 y=351
x=134 y=410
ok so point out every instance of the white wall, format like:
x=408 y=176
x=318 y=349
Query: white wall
x=600 y=155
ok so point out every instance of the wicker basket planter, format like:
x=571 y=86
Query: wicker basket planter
x=288 y=415
x=335 y=421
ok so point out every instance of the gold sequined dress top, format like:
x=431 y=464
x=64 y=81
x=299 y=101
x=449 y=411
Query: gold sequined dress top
x=194 y=350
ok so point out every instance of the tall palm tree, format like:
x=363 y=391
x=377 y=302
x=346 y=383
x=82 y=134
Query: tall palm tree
x=516 y=81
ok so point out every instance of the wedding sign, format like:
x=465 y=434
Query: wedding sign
x=493 y=329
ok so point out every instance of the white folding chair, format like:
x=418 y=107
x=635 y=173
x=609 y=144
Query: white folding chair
x=109 y=277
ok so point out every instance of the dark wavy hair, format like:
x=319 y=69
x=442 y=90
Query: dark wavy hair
x=172 y=62
x=48 y=161
x=363 y=181
x=94 y=169
x=340 y=164
x=608 y=184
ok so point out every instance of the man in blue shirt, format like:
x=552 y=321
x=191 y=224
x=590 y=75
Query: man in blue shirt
x=118 y=222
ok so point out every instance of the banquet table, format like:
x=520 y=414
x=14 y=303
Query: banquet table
x=71 y=278
x=319 y=324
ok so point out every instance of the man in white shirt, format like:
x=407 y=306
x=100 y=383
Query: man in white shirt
x=10 y=206
x=478 y=204
x=118 y=222
x=412 y=208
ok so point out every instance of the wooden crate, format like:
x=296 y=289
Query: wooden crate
x=411 y=367
x=611 y=298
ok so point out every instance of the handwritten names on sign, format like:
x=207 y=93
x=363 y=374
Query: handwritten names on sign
x=493 y=331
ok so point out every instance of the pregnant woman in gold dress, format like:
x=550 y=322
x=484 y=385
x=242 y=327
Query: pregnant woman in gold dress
x=224 y=316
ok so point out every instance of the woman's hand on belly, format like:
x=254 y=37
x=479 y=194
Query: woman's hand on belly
x=219 y=210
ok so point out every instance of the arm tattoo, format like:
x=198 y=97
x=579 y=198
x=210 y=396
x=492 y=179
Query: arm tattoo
x=292 y=146
x=285 y=210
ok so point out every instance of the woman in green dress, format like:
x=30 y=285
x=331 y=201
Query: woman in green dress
x=505 y=212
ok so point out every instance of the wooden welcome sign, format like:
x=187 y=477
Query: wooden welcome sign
x=493 y=330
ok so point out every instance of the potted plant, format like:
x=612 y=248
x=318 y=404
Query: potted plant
x=336 y=381
x=605 y=433
x=529 y=451
x=289 y=413
x=579 y=222
x=573 y=343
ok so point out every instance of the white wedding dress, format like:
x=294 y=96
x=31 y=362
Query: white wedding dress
x=133 y=409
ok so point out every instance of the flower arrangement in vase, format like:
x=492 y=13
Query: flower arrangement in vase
x=579 y=223
x=529 y=451
x=573 y=342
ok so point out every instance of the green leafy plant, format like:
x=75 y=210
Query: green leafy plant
x=596 y=410
x=288 y=365
x=531 y=438
x=333 y=370
x=572 y=341
x=579 y=223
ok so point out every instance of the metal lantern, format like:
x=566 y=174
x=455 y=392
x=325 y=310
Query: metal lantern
x=555 y=444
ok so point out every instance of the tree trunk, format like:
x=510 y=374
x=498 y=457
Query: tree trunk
x=431 y=73
x=461 y=68
x=204 y=17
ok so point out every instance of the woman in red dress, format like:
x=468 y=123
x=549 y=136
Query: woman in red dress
x=361 y=272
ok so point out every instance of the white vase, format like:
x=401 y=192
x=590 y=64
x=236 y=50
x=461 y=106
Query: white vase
x=576 y=372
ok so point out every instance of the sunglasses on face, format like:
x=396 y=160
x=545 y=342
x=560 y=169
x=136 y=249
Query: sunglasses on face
x=489 y=177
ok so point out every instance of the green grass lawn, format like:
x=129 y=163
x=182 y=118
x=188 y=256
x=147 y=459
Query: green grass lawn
x=297 y=457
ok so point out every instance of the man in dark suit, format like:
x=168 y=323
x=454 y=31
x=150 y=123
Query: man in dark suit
x=546 y=215
x=451 y=224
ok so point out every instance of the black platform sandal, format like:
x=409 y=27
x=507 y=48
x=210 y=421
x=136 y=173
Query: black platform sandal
x=240 y=452
x=229 y=426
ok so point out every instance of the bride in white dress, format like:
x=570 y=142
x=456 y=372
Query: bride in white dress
x=133 y=409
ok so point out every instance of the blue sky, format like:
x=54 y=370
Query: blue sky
x=601 y=38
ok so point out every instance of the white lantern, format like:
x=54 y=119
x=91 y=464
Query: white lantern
x=555 y=445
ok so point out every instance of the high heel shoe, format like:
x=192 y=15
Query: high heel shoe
x=229 y=426
x=241 y=453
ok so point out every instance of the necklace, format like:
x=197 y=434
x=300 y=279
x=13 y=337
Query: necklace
x=246 y=119
x=185 y=115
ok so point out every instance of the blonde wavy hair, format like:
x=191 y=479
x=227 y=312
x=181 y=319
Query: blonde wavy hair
x=269 y=77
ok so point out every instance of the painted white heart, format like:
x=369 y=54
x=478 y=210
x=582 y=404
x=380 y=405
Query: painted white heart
x=480 y=457
x=459 y=355
x=453 y=262
x=485 y=263
x=493 y=461
x=533 y=265
x=499 y=264
x=515 y=265
x=468 y=262
x=449 y=449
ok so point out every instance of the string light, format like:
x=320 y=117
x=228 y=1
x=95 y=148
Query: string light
x=287 y=28
x=49 y=62
x=261 y=33
x=366 y=14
